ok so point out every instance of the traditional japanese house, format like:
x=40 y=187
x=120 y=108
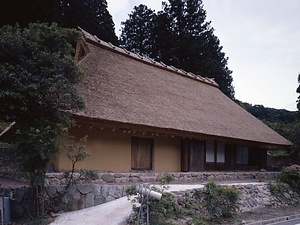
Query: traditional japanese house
x=144 y=115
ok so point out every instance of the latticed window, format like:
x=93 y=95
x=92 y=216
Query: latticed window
x=242 y=155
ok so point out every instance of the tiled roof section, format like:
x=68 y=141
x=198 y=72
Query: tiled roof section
x=95 y=39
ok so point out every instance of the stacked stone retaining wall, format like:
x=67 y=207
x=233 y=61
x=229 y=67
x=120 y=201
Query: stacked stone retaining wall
x=253 y=196
x=151 y=177
x=81 y=196
x=110 y=186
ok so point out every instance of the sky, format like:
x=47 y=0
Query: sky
x=261 y=38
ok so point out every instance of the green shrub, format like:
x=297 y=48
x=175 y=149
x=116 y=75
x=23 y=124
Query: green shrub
x=162 y=212
x=220 y=201
x=164 y=181
x=278 y=188
x=197 y=220
x=291 y=176
x=167 y=209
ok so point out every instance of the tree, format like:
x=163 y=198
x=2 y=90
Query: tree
x=296 y=133
x=182 y=38
x=91 y=15
x=25 y=12
x=298 y=91
x=137 y=33
x=37 y=77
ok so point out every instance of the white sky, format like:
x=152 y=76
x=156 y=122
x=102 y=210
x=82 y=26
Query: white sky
x=261 y=39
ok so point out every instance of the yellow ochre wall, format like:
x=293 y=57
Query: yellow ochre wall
x=111 y=152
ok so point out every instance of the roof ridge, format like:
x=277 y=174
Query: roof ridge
x=181 y=72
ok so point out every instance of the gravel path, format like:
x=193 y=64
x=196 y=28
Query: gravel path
x=112 y=213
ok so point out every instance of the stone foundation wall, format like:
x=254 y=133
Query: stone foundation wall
x=63 y=198
x=111 y=186
x=151 y=177
x=259 y=195
x=254 y=196
x=19 y=201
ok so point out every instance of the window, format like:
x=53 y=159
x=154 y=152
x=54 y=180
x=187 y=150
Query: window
x=141 y=153
x=220 y=152
x=215 y=153
x=210 y=151
x=242 y=155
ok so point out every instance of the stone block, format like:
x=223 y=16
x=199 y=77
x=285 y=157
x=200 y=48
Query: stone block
x=84 y=188
x=108 y=178
x=76 y=196
x=99 y=181
x=109 y=198
x=118 y=180
x=61 y=189
x=96 y=190
x=81 y=203
x=54 y=181
x=66 y=198
x=72 y=189
x=99 y=200
x=19 y=194
x=89 y=200
x=105 y=190
x=51 y=190
x=118 y=175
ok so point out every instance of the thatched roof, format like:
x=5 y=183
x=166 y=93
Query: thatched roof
x=126 y=88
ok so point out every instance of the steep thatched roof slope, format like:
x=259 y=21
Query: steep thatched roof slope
x=124 y=87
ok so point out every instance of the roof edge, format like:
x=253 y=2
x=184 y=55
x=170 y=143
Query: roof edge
x=150 y=130
x=93 y=39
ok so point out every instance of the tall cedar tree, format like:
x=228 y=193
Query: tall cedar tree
x=298 y=91
x=182 y=38
x=91 y=15
x=137 y=33
x=37 y=77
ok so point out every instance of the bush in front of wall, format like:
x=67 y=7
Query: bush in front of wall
x=219 y=201
x=291 y=176
x=162 y=212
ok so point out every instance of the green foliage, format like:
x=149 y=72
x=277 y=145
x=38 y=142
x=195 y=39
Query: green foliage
x=278 y=188
x=37 y=77
x=282 y=121
x=220 y=201
x=197 y=220
x=167 y=209
x=279 y=153
x=279 y=116
x=164 y=180
x=25 y=12
x=77 y=176
x=76 y=153
x=291 y=176
x=180 y=36
x=90 y=174
x=163 y=211
x=90 y=15
x=298 y=100
x=137 y=31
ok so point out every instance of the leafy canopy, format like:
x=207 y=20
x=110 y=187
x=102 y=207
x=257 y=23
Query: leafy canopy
x=91 y=15
x=298 y=91
x=179 y=35
x=37 y=77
